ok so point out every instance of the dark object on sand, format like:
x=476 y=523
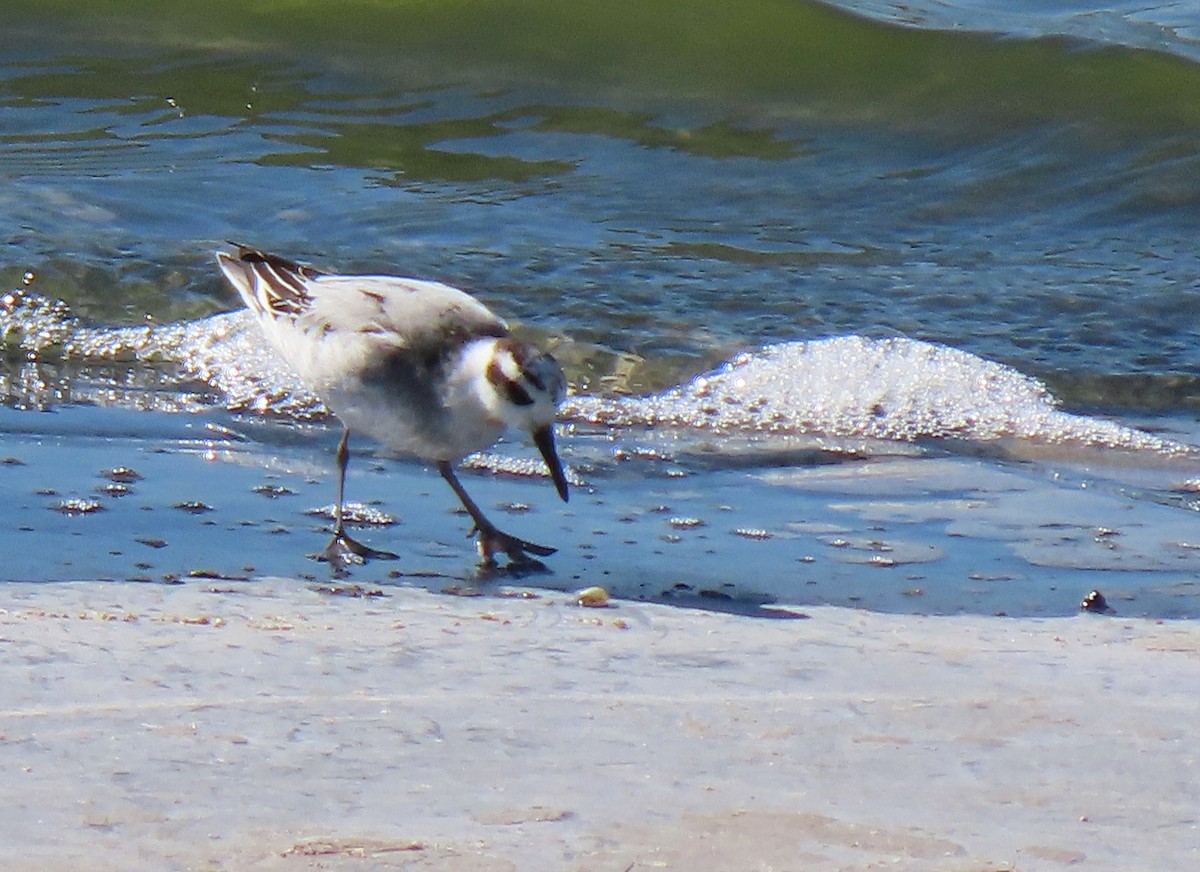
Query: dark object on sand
x=1095 y=602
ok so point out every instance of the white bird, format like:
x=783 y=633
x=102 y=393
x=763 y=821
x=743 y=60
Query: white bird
x=420 y=366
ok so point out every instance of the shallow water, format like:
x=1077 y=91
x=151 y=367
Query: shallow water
x=654 y=189
x=733 y=520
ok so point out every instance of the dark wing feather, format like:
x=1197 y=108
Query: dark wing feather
x=280 y=286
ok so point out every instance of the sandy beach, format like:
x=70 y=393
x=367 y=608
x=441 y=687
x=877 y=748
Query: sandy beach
x=276 y=725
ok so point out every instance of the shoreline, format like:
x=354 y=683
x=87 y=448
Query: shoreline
x=266 y=726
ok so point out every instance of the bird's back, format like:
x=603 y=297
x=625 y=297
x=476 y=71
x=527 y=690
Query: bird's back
x=409 y=313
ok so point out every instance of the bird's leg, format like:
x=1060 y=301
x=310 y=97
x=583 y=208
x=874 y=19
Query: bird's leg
x=490 y=539
x=342 y=549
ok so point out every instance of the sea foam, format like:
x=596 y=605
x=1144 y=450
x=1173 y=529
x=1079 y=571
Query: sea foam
x=846 y=387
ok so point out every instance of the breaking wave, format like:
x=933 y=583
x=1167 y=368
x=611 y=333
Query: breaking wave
x=847 y=387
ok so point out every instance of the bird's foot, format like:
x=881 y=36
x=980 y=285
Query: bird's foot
x=343 y=551
x=491 y=541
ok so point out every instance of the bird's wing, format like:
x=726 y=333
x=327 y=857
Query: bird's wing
x=406 y=313
x=400 y=312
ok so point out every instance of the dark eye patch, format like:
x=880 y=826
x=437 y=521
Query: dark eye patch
x=516 y=394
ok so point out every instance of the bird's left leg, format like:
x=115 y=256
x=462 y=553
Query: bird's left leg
x=491 y=539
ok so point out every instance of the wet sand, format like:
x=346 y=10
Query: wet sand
x=270 y=726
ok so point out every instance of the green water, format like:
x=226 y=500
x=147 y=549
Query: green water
x=760 y=56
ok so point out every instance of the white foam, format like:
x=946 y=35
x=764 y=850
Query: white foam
x=855 y=387
x=848 y=387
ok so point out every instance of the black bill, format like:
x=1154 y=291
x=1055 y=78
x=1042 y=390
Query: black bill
x=544 y=440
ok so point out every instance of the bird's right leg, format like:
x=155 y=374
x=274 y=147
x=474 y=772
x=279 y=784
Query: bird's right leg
x=343 y=550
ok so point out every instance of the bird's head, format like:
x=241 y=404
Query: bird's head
x=528 y=385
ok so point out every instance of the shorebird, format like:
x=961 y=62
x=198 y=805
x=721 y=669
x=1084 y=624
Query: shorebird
x=421 y=367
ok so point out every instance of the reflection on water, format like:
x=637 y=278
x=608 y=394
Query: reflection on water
x=401 y=154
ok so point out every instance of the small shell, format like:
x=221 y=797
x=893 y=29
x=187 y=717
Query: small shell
x=121 y=474
x=592 y=597
x=79 y=506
